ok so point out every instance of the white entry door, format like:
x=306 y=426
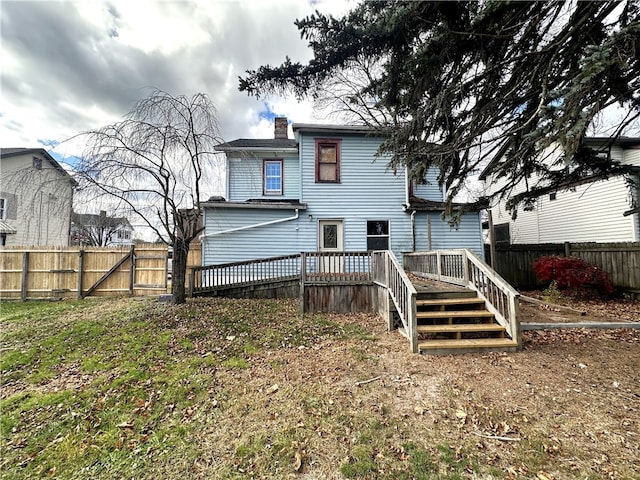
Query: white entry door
x=331 y=240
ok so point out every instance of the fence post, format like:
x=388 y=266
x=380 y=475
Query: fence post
x=567 y=249
x=132 y=268
x=80 y=271
x=192 y=278
x=25 y=275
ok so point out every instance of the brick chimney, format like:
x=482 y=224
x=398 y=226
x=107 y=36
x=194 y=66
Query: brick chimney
x=280 y=126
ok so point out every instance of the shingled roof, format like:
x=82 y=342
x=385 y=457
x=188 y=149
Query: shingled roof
x=258 y=143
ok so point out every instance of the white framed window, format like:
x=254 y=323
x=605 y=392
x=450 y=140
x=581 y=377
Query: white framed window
x=378 y=235
x=3 y=208
x=272 y=174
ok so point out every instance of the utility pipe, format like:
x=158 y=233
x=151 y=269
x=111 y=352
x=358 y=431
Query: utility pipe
x=247 y=227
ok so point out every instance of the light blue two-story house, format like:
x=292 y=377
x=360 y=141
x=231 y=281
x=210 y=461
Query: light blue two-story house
x=324 y=190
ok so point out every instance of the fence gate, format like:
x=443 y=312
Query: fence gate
x=56 y=272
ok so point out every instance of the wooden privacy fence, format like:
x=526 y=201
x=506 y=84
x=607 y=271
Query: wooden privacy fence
x=56 y=272
x=620 y=260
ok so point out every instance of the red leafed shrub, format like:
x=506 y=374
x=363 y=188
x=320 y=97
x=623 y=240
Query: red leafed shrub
x=572 y=273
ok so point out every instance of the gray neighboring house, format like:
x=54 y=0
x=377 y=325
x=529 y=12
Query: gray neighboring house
x=36 y=194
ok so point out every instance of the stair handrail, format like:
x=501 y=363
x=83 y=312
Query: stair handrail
x=463 y=267
x=403 y=294
x=501 y=298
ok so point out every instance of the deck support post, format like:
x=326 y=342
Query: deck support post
x=303 y=275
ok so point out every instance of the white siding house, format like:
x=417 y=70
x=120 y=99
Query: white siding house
x=36 y=194
x=100 y=230
x=325 y=190
x=594 y=211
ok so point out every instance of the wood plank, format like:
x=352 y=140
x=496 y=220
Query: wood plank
x=456 y=314
x=468 y=343
x=449 y=301
x=590 y=325
x=461 y=328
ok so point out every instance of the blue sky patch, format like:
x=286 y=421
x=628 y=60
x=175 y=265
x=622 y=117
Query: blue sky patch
x=268 y=113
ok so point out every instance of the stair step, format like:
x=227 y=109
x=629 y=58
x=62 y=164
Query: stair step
x=442 y=295
x=467 y=343
x=456 y=314
x=449 y=301
x=461 y=328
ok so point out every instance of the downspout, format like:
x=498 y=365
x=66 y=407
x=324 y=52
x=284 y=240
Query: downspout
x=247 y=227
x=300 y=173
x=407 y=193
x=413 y=231
x=228 y=180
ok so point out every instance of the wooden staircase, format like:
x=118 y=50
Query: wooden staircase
x=456 y=321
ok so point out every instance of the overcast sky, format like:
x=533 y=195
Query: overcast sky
x=73 y=66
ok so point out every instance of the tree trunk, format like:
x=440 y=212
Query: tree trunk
x=179 y=270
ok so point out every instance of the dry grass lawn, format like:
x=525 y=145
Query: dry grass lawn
x=250 y=389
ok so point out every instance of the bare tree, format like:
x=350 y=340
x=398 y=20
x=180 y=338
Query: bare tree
x=154 y=161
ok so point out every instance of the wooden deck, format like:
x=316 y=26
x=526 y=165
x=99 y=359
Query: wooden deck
x=431 y=304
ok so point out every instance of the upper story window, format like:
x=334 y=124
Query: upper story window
x=327 y=161
x=3 y=209
x=378 y=235
x=37 y=163
x=272 y=177
x=123 y=235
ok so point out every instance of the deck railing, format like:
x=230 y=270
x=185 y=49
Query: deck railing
x=335 y=267
x=211 y=277
x=463 y=267
x=403 y=294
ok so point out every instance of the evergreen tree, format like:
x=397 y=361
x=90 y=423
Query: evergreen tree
x=456 y=82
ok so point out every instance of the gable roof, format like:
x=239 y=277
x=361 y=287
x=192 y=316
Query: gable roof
x=93 y=220
x=291 y=145
x=338 y=129
x=245 y=144
x=16 y=152
x=624 y=142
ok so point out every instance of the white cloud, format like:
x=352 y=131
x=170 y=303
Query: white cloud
x=73 y=66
